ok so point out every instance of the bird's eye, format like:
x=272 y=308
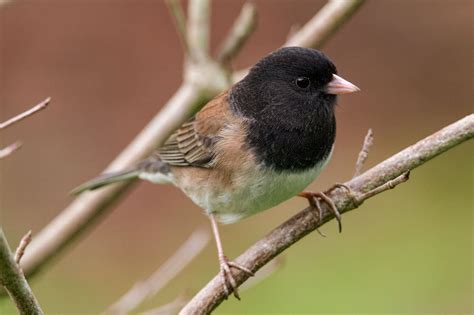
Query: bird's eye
x=303 y=82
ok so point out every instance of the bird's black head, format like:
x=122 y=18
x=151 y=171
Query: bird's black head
x=288 y=98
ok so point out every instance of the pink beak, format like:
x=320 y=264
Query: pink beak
x=340 y=86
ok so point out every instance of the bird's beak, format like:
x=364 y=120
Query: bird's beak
x=340 y=86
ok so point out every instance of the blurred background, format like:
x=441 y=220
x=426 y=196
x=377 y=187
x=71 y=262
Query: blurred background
x=109 y=65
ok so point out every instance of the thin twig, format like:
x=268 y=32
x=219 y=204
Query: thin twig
x=243 y=27
x=14 y=282
x=25 y=114
x=180 y=22
x=304 y=222
x=160 y=278
x=388 y=185
x=20 y=250
x=10 y=149
x=364 y=152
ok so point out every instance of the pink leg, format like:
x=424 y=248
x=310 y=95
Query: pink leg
x=226 y=264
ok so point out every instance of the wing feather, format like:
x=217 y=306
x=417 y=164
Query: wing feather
x=193 y=143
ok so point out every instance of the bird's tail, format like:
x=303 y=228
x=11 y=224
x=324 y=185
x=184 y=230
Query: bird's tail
x=106 y=179
x=152 y=169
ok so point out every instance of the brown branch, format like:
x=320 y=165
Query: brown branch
x=366 y=185
x=364 y=152
x=83 y=213
x=160 y=278
x=20 y=250
x=25 y=114
x=14 y=282
x=243 y=27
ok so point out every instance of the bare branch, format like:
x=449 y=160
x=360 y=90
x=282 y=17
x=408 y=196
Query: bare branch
x=25 y=114
x=88 y=207
x=243 y=27
x=20 y=250
x=170 y=269
x=180 y=22
x=320 y=28
x=198 y=29
x=388 y=185
x=14 y=282
x=328 y=20
x=364 y=152
x=10 y=149
x=363 y=186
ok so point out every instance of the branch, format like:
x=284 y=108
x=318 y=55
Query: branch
x=15 y=146
x=169 y=270
x=320 y=28
x=364 y=186
x=20 y=251
x=14 y=282
x=85 y=211
x=198 y=29
x=177 y=12
x=89 y=207
x=243 y=27
x=364 y=152
x=25 y=114
x=324 y=24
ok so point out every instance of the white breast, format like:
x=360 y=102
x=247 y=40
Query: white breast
x=262 y=190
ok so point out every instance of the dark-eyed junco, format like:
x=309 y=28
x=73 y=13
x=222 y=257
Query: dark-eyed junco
x=255 y=145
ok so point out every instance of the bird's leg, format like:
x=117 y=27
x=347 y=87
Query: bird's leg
x=226 y=264
x=313 y=199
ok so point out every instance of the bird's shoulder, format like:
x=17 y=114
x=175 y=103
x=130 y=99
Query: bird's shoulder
x=194 y=143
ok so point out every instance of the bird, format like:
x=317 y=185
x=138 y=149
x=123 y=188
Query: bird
x=255 y=145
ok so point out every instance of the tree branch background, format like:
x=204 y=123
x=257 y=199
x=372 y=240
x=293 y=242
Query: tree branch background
x=109 y=68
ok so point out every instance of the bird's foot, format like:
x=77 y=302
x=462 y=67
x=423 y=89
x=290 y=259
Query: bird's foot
x=315 y=198
x=350 y=193
x=229 y=283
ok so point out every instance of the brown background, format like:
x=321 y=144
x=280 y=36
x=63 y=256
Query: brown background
x=110 y=65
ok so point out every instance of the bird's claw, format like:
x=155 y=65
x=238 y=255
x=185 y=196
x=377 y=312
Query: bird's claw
x=314 y=202
x=229 y=283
